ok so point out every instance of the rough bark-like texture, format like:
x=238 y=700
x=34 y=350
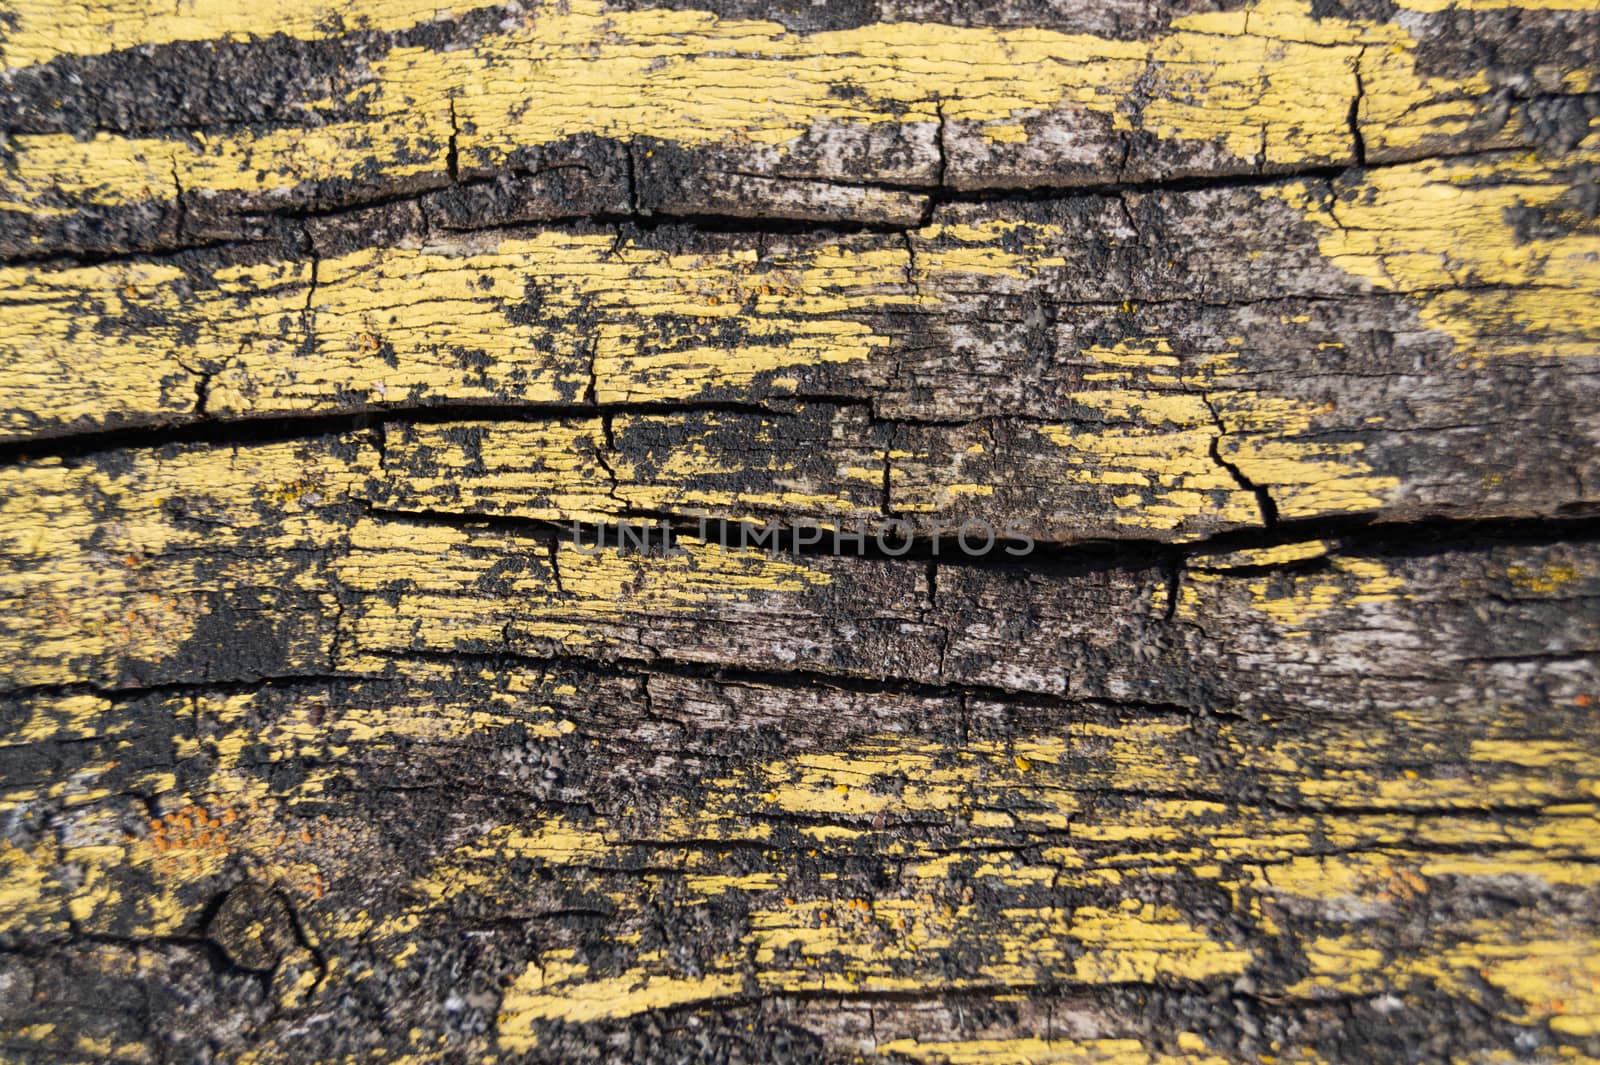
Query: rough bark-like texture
x=343 y=347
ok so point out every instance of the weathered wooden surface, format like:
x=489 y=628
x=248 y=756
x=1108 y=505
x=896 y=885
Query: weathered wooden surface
x=332 y=338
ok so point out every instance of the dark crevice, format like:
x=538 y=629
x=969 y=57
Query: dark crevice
x=273 y=428
x=380 y=444
x=592 y=390
x=302 y=936
x=1264 y=500
x=602 y=458
x=180 y=223
x=1128 y=216
x=790 y=680
x=864 y=184
x=311 y=286
x=802 y=538
x=511 y=922
x=154 y=437
x=452 y=157
x=553 y=553
x=630 y=176
x=202 y=392
x=176 y=689
x=215 y=956
x=1357 y=142
x=941 y=177
x=886 y=503
x=1134 y=551
x=1173 y=570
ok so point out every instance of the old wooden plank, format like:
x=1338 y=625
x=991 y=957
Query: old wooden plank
x=754 y=103
x=1349 y=369
x=115 y=563
x=865 y=839
x=334 y=341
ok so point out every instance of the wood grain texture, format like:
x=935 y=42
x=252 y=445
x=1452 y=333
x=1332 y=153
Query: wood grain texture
x=486 y=499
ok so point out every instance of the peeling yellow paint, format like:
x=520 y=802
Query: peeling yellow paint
x=1281 y=555
x=101 y=567
x=597 y=586
x=1270 y=83
x=41 y=30
x=1444 y=233
x=1037 y=1051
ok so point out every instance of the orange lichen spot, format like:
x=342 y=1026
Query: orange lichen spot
x=193 y=827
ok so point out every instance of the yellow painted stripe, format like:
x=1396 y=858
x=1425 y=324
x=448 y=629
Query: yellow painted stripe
x=451 y=321
x=538 y=319
x=69 y=353
x=38 y=31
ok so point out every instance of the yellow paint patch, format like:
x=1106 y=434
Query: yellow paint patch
x=1544 y=580
x=1557 y=980
x=1281 y=555
x=1296 y=600
x=1499 y=5
x=1162 y=450
x=577 y=1001
x=103 y=569
x=1035 y=1051
x=452 y=321
x=441 y=567
x=55 y=376
x=1498 y=291
x=548 y=470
